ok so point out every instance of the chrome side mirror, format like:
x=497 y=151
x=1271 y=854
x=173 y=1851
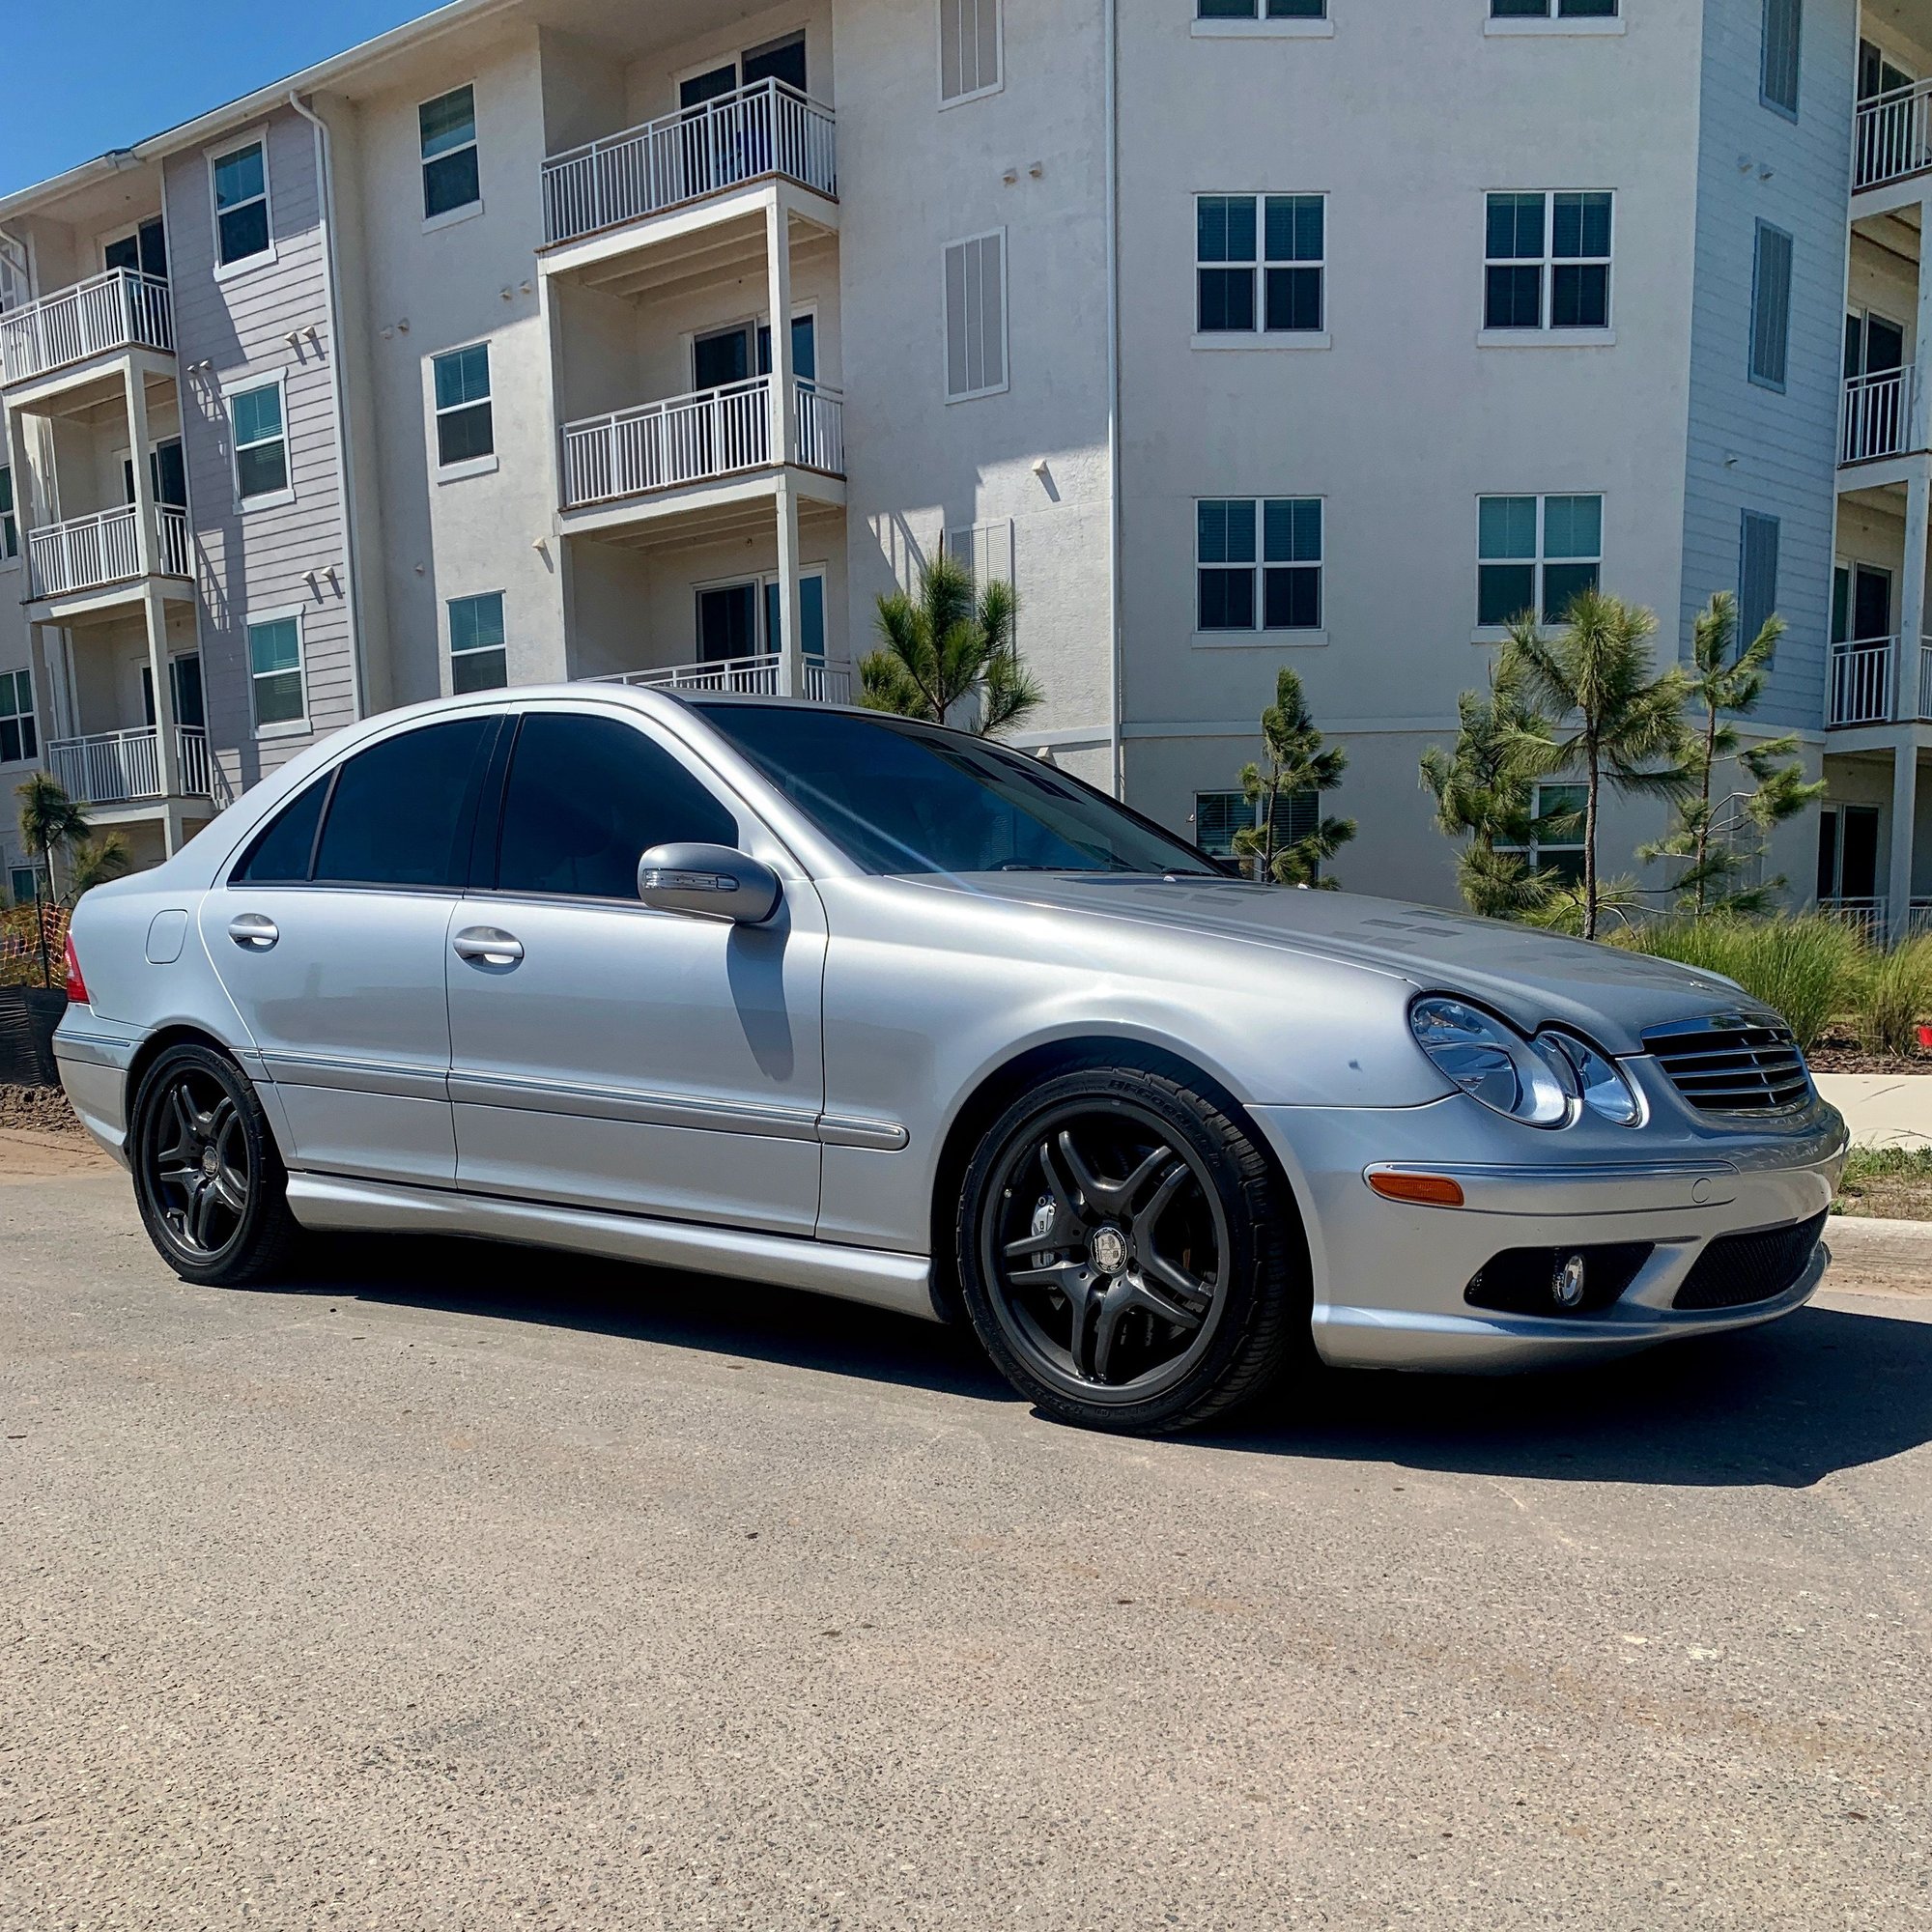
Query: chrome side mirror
x=710 y=881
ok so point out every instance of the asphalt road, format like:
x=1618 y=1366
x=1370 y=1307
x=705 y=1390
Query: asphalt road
x=462 y=1589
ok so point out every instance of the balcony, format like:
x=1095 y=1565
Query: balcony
x=766 y=129
x=1871 y=918
x=1892 y=136
x=696 y=438
x=1874 y=418
x=754 y=676
x=125 y=767
x=92 y=553
x=1864 y=688
x=121 y=309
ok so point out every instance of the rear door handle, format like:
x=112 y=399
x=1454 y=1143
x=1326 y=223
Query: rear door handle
x=488 y=945
x=253 y=932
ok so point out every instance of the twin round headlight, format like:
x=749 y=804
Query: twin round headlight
x=1546 y=1082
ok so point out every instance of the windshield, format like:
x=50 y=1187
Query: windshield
x=898 y=797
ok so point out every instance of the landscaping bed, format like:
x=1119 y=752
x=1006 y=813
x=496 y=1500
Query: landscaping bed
x=1837 y=1051
x=38 y=1110
x=1888 y=1185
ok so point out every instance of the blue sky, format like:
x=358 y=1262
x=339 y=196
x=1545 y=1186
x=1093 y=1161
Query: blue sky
x=86 y=75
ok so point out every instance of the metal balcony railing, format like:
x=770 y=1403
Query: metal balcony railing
x=90 y=553
x=692 y=438
x=766 y=129
x=122 y=309
x=753 y=677
x=125 y=767
x=1892 y=135
x=1875 y=415
x=1861 y=682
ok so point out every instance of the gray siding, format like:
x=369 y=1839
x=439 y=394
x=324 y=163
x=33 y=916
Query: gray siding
x=258 y=560
x=1752 y=448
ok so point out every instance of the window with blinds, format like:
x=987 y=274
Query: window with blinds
x=1757 y=574
x=1770 y=306
x=1777 y=63
x=968 y=48
x=976 y=317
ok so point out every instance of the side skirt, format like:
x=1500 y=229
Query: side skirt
x=900 y=1283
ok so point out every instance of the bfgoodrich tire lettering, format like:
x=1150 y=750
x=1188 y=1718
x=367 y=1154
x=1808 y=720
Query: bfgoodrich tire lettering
x=1128 y=1255
x=208 y=1178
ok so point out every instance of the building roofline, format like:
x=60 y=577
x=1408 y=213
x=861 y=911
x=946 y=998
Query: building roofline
x=250 y=106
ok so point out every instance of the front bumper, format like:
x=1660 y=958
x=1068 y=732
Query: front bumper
x=1389 y=1277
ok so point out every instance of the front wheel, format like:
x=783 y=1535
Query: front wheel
x=1128 y=1255
x=211 y=1186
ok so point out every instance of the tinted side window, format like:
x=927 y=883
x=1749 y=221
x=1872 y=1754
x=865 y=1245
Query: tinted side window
x=401 y=813
x=587 y=797
x=284 y=846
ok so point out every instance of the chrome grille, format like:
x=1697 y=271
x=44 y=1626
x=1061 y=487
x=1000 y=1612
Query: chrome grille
x=1732 y=1066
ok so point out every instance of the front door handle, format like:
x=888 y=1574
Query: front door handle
x=253 y=932
x=488 y=945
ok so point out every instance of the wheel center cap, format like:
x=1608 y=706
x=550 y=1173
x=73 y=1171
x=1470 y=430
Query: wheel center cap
x=210 y=1162
x=1108 y=1250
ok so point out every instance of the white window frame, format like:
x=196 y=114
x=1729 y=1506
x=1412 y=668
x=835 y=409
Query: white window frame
x=1006 y=380
x=1537 y=849
x=246 y=138
x=1258 y=26
x=946 y=100
x=470 y=466
x=293 y=727
x=761 y=581
x=1553 y=23
x=1259 y=336
x=452 y=653
x=1258 y=636
x=466 y=210
x=1491 y=634
x=1545 y=334
x=242 y=386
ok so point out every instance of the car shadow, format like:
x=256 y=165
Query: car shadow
x=1822 y=1390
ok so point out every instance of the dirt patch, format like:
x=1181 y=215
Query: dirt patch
x=1841 y=1052
x=1877 y=1257
x=40 y=1111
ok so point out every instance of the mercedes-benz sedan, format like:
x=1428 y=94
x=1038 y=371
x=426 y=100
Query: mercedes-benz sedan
x=822 y=997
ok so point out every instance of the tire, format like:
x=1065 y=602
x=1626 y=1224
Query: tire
x=208 y=1176
x=1086 y=1221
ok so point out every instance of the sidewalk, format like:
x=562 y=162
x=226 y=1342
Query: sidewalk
x=1883 y=1109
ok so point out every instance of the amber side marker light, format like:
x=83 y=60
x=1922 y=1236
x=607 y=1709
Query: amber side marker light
x=1426 y=1190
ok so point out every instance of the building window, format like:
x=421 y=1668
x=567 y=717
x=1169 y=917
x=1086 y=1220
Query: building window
x=448 y=125
x=18 y=737
x=1757 y=574
x=10 y=527
x=1535 y=554
x=260 y=443
x=275 y=673
x=1770 y=306
x=968 y=48
x=466 y=429
x=24 y=883
x=1556 y=835
x=241 y=203
x=1544 y=10
x=1272 y=9
x=1546 y=260
x=1277 y=537
x=976 y=317
x=1217 y=816
x=477 y=658
x=1778 y=62
x=1258 y=258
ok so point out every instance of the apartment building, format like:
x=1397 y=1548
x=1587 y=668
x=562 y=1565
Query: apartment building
x=581 y=338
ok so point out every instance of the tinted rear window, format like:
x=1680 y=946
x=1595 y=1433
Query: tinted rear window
x=402 y=809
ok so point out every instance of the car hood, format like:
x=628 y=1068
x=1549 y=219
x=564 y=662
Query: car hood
x=1530 y=976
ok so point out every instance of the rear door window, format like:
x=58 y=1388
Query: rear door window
x=282 y=850
x=402 y=810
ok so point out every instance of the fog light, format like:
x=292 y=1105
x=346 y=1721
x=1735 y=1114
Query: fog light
x=1566 y=1285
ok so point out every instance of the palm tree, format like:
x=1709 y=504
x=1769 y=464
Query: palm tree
x=1622 y=720
x=48 y=817
x=1298 y=766
x=95 y=860
x=1721 y=683
x=944 y=644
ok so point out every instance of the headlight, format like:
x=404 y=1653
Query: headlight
x=1601 y=1083
x=1529 y=1080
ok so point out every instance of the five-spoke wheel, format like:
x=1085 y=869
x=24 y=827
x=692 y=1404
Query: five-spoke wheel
x=1112 y=1257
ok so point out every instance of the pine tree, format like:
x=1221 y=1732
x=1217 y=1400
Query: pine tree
x=1297 y=764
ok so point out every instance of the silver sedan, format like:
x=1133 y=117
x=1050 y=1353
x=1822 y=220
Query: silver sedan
x=832 y=1000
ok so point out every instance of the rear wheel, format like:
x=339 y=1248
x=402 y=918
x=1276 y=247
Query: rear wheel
x=211 y=1186
x=1128 y=1255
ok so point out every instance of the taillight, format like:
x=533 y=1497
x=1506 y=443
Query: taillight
x=76 y=987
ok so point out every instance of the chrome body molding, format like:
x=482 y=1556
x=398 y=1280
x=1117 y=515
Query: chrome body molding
x=845 y=1132
x=900 y=1283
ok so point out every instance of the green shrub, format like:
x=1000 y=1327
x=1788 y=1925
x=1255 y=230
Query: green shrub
x=1808 y=969
x=1893 y=994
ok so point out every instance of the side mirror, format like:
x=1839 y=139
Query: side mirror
x=710 y=881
